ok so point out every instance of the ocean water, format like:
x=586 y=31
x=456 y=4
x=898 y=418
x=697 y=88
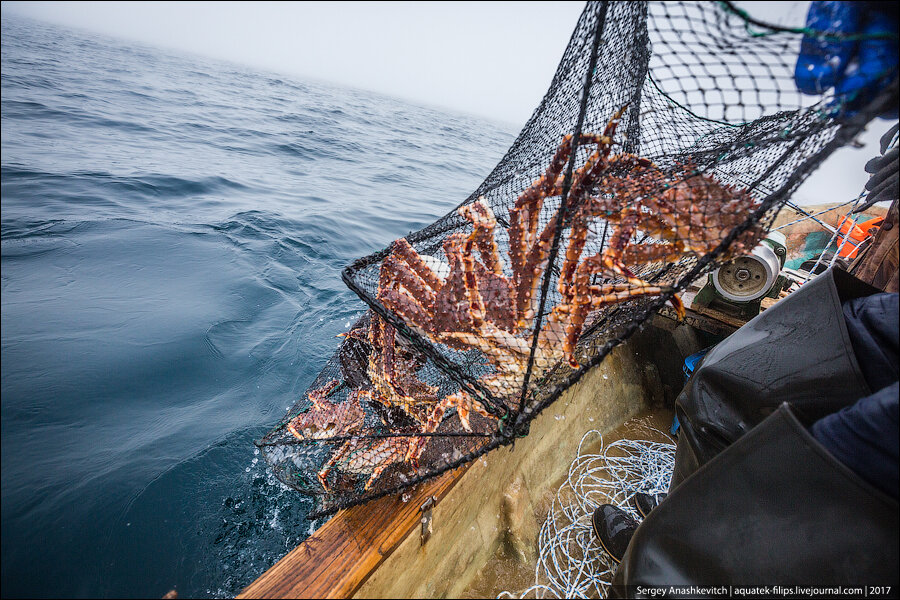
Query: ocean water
x=173 y=230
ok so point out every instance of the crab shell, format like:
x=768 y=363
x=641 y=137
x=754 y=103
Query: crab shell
x=326 y=419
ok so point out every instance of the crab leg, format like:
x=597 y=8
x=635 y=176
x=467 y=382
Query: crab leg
x=643 y=176
x=494 y=289
x=384 y=453
x=417 y=445
x=395 y=273
x=387 y=352
x=454 y=305
x=484 y=223
x=589 y=297
x=408 y=309
x=476 y=306
x=612 y=263
x=602 y=296
x=528 y=278
x=317 y=396
x=381 y=361
x=325 y=470
x=523 y=217
x=604 y=144
x=325 y=418
x=408 y=253
x=376 y=473
x=463 y=402
x=363 y=454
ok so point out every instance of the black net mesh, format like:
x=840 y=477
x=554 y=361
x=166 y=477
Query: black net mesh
x=670 y=136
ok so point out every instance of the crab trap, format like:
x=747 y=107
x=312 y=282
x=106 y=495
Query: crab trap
x=670 y=136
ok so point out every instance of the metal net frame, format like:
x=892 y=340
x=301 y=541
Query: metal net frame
x=669 y=138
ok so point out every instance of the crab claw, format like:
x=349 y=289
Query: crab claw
x=323 y=479
x=360 y=333
x=297 y=434
x=678 y=305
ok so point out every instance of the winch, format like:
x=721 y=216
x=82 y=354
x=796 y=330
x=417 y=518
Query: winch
x=738 y=287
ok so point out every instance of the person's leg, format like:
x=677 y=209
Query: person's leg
x=644 y=503
x=614 y=528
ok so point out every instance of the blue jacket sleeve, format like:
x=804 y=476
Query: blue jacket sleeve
x=864 y=436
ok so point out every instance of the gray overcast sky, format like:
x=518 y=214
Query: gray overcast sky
x=489 y=58
x=493 y=59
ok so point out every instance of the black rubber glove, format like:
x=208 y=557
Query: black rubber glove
x=883 y=184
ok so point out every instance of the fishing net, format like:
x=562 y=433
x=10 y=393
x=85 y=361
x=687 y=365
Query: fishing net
x=670 y=136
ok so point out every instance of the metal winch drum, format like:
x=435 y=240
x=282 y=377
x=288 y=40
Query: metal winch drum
x=753 y=275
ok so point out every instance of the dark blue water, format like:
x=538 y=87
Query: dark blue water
x=173 y=230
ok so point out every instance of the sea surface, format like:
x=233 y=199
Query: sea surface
x=173 y=230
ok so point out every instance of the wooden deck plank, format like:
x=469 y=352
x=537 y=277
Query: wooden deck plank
x=338 y=558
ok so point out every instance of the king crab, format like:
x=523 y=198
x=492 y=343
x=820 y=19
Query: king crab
x=391 y=386
x=360 y=455
x=473 y=303
x=478 y=306
x=372 y=456
x=324 y=418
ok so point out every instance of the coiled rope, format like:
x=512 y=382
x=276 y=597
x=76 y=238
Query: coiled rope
x=571 y=562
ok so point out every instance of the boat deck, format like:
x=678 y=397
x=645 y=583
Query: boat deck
x=491 y=510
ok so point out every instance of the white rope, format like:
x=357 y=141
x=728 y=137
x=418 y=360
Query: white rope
x=808 y=216
x=571 y=562
x=859 y=201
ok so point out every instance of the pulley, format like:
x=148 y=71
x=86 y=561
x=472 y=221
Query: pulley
x=750 y=276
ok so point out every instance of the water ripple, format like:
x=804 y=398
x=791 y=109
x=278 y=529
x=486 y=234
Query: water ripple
x=173 y=231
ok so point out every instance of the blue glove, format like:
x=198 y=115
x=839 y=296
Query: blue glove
x=855 y=51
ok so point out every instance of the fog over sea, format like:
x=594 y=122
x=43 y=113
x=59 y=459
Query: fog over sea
x=173 y=230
